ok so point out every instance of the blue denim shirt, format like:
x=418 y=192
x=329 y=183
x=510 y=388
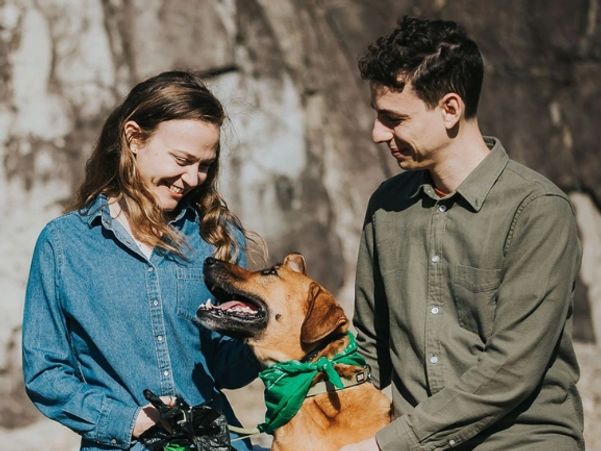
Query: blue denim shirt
x=102 y=323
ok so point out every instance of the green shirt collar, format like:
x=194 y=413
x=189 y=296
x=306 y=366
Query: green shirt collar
x=476 y=186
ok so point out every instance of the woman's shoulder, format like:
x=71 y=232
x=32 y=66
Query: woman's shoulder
x=66 y=224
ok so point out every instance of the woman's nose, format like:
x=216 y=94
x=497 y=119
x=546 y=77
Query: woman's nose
x=190 y=175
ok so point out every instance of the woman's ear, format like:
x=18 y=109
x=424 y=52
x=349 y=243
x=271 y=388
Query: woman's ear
x=452 y=109
x=132 y=134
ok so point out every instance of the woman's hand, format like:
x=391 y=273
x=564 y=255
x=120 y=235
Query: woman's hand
x=149 y=416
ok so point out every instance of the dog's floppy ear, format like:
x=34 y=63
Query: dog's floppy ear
x=324 y=316
x=296 y=262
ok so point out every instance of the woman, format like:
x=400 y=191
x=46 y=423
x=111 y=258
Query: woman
x=115 y=283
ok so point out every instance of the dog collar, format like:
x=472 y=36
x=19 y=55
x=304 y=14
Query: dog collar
x=287 y=383
x=326 y=386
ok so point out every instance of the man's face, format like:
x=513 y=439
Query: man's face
x=414 y=132
x=176 y=159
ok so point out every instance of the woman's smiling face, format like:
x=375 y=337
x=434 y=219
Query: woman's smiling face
x=176 y=158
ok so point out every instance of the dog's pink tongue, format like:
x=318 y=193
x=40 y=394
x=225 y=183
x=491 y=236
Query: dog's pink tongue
x=233 y=304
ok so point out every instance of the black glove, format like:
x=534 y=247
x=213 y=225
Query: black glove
x=201 y=426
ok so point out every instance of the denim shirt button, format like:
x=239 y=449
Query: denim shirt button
x=150 y=269
x=114 y=442
x=155 y=302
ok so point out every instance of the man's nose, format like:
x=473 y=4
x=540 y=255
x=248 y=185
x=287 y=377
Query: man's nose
x=380 y=133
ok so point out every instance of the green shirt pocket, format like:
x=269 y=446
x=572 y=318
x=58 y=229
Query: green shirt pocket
x=475 y=296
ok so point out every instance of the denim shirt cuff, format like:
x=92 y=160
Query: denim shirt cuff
x=116 y=423
x=132 y=440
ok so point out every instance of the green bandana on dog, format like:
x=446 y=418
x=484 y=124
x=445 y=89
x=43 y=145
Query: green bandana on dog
x=287 y=383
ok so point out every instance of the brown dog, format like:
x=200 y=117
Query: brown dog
x=284 y=315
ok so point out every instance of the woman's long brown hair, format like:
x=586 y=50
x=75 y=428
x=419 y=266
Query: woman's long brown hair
x=111 y=169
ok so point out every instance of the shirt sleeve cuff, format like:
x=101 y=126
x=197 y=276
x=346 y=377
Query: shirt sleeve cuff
x=116 y=424
x=397 y=436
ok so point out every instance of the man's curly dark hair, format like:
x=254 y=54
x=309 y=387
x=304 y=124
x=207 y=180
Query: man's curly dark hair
x=435 y=56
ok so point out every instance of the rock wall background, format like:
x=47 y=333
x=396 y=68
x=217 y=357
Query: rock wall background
x=299 y=165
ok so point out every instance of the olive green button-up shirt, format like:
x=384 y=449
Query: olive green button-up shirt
x=464 y=304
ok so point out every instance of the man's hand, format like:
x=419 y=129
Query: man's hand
x=149 y=416
x=366 y=445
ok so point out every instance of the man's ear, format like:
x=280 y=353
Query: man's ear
x=452 y=109
x=132 y=134
x=296 y=262
x=324 y=316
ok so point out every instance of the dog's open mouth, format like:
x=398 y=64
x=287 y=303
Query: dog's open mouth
x=234 y=312
x=233 y=304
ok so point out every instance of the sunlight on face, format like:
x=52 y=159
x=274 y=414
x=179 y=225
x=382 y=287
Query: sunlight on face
x=411 y=129
x=176 y=158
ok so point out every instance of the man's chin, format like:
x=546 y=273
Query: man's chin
x=405 y=165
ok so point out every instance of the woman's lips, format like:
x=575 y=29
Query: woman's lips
x=174 y=191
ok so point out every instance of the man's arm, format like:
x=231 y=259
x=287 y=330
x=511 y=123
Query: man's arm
x=371 y=311
x=542 y=257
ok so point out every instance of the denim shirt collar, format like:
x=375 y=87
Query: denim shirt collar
x=98 y=210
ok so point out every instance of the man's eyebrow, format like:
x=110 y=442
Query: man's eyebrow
x=392 y=113
x=386 y=111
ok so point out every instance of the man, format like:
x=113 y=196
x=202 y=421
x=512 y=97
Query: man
x=467 y=264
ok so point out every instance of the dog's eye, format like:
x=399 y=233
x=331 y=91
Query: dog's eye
x=269 y=271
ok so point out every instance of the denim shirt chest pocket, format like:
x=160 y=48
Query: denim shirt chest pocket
x=191 y=291
x=475 y=295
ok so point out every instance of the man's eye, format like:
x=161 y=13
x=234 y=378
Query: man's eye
x=204 y=167
x=181 y=161
x=392 y=120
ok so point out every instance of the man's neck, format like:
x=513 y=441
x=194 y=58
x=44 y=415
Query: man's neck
x=460 y=158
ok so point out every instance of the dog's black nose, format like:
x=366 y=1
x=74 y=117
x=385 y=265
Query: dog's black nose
x=210 y=262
